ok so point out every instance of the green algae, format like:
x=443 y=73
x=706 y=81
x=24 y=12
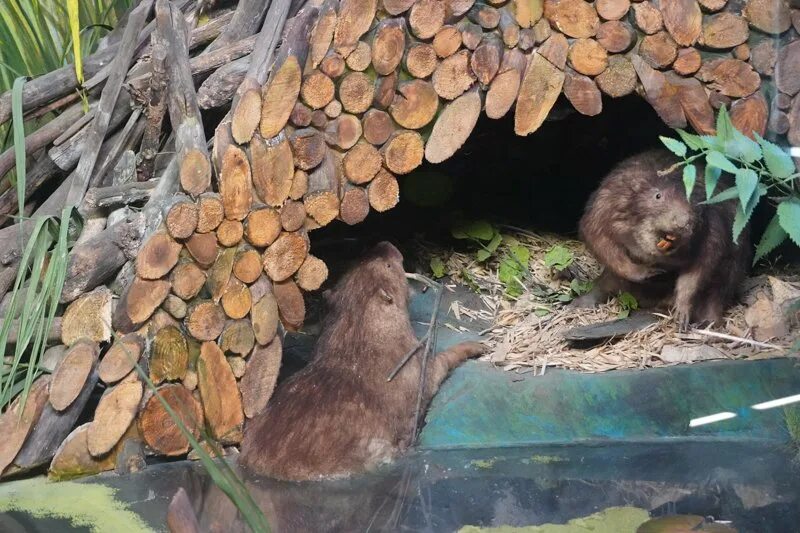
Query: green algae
x=482 y=464
x=547 y=459
x=87 y=505
x=611 y=520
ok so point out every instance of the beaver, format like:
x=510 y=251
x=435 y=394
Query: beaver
x=660 y=246
x=339 y=415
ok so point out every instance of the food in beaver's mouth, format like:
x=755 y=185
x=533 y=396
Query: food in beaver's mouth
x=666 y=242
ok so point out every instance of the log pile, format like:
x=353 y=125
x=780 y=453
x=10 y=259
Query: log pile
x=329 y=102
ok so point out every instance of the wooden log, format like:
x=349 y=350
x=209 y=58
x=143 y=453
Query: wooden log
x=157 y=257
x=778 y=122
x=360 y=58
x=293 y=215
x=210 y=212
x=356 y=92
x=659 y=50
x=221 y=398
x=787 y=68
x=526 y=12
x=19 y=419
x=319 y=119
x=660 y=93
x=187 y=280
x=647 y=17
x=114 y=414
x=723 y=30
x=616 y=36
x=262 y=227
x=220 y=86
x=322 y=200
x=471 y=34
x=749 y=115
x=272 y=167
x=447 y=41
x=301 y=115
x=712 y=5
x=541 y=31
x=451 y=79
x=322 y=34
x=312 y=274
x=247 y=265
x=159 y=429
x=121 y=358
x=538 y=92
x=332 y=65
x=361 y=163
x=763 y=57
x=279 y=96
x=742 y=52
x=72 y=459
x=220 y=273
x=169 y=359
x=190 y=139
x=619 y=79
x=230 y=233
x=396 y=7
x=793 y=136
x=88 y=317
x=505 y=86
x=308 y=149
x=782 y=101
x=138 y=303
x=377 y=126
x=354 y=204
x=420 y=60
x=355 y=19
x=586 y=56
x=175 y=307
x=612 y=9
x=574 y=18
x=72 y=373
x=509 y=29
x=383 y=191
x=317 y=89
x=683 y=20
x=291 y=306
x=582 y=93
x=344 y=131
x=385 y=87
x=426 y=18
x=453 y=126
x=236 y=300
x=694 y=102
x=205 y=320
x=730 y=77
x=333 y=109
x=768 y=16
x=687 y=62
x=264 y=316
x=299 y=185
x=235 y=184
x=485 y=60
x=181 y=217
x=285 y=255
x=237 y=338
x=456 y=8
x=260 y=377
x=403 y=152
x=555 y=50
x=485 y=16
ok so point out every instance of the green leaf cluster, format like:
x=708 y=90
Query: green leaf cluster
x=759 y=168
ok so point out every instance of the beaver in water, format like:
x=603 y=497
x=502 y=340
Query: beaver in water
x=660 y=246
x=339 y=415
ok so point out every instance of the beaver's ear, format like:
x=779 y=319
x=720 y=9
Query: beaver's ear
x=385 y=295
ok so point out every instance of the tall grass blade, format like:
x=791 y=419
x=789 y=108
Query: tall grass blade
x=75 y=30
x=19 y=143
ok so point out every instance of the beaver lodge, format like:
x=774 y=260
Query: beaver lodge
x=222 y=150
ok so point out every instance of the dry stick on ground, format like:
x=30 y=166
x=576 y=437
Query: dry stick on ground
x=734 y=338
x=190 y=140
x=156 y=107
x=108 y=99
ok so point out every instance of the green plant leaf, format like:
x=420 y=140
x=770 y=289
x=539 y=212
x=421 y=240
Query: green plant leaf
x=75 y=30
x=724 y=196
x=580 y=287
x=742 y=147
x=19 y=141
x=789 y=217
x=773 y=237
x=437 y=267
x=494 y=243
x=558 y=257
x=483 y=255
x=628 y=303
x=725 y=127
x=779 y=162
x=746 y=183
x=541 y=311
x=521 y=254
x=689 y=179
x=743 y=214
x=476 y=229
x=674 y=146
x=694 y=142
x=711 y=177
x=716 y=159
x=507 y=271
x=712 y=142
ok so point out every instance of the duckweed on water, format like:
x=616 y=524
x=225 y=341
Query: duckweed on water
x=611 y=520
x=86 y=505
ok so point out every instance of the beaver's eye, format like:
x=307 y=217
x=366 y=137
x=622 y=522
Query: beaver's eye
x=658 y=196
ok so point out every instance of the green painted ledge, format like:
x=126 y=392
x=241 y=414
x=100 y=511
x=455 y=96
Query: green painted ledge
x=483 y=407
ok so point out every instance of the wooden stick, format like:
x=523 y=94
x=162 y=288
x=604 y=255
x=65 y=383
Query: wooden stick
x=725 y=336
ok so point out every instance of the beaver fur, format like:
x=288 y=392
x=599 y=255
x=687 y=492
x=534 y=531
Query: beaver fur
x=339 y=415
x=661 y=247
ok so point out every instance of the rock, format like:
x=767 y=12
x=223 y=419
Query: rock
x=672 y=353
x=766 y=319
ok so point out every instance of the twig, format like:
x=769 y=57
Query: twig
x=406 y=357
x=727 y=337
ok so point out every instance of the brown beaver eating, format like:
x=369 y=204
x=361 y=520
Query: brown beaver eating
x=339 y=415
x=660 y=246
